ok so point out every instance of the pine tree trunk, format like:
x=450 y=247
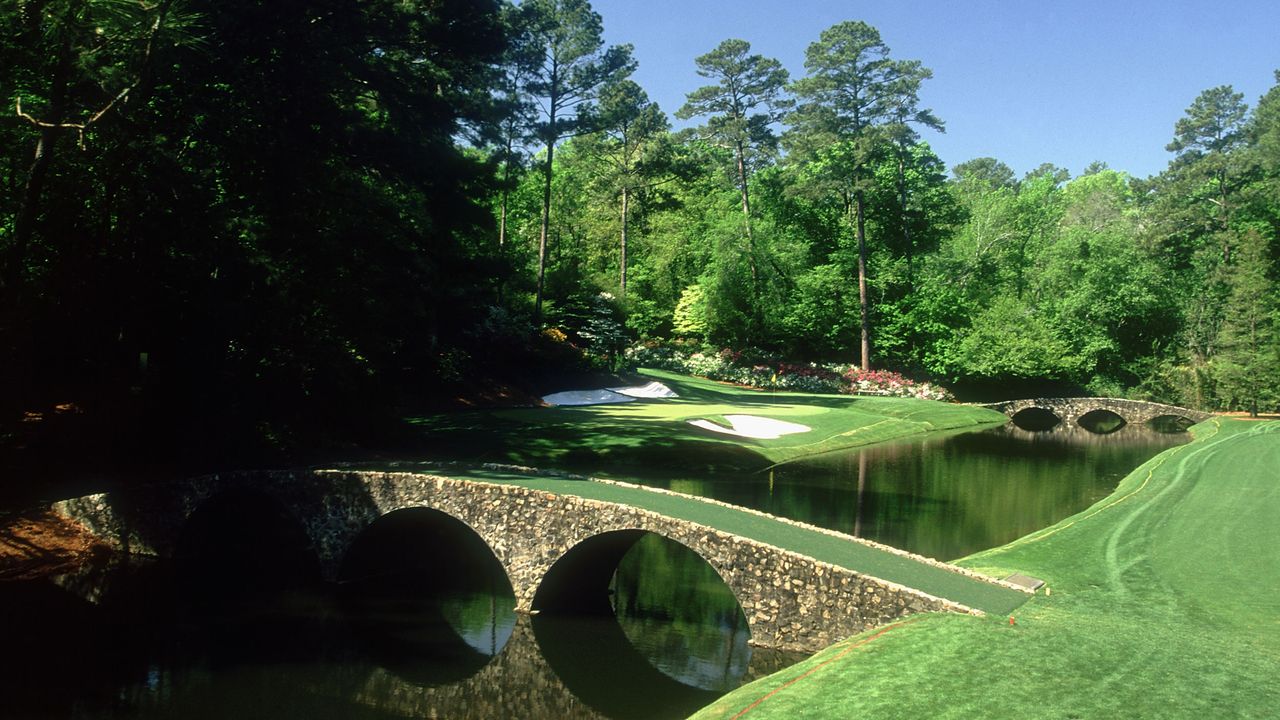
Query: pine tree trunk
x=865 y=323
x=506 y=192
x=626 y=197
x=902 y=205
x=751 y=240
x=542 y=233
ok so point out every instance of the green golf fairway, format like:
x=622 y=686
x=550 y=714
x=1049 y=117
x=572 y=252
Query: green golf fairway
x=1165 y=602
x=656 y=434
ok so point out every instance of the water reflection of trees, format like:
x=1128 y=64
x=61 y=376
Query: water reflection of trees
x=947 y=496
x=680 y=614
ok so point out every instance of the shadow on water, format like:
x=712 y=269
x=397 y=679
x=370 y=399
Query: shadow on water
x=426 y=596
x=598 y=663
x=421 y=626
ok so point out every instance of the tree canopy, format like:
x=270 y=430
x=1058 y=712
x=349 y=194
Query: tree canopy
x=293 y=219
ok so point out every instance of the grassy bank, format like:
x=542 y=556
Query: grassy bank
x=655 y=435
x=1165 y=602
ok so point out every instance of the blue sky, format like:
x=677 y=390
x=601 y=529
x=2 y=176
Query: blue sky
x=1025 y=82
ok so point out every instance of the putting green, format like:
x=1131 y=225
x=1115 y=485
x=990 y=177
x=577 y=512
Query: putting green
x=1165 y=603
x=656 y=433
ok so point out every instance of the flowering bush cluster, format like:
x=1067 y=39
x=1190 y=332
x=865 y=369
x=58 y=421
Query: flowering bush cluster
x=887 y=382
x=757 y=370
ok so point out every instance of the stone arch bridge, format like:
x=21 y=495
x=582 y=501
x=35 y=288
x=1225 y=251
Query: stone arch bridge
x=1070 y=410
x=544 y=529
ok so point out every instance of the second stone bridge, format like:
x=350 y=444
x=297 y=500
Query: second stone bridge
x=559 y=540
x=1070 y=410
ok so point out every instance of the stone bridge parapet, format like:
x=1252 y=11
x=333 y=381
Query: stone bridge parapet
x=1070 y=410
x=790 y=601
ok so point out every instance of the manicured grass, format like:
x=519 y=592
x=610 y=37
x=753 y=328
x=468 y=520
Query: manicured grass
x=1165 y=603
x=626 y=438
x=821 y=546
x=655 y=435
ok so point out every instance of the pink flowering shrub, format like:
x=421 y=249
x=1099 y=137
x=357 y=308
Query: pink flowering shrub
x=887 y=382
x=756 y=369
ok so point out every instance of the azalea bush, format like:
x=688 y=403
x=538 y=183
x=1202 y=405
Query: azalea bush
x=887 y=382
x=755 y=368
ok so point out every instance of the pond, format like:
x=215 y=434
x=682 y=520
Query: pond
x=946 y=495
x=252 y=634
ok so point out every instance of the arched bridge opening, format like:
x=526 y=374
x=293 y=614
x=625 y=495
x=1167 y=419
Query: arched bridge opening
x=1036 y=419
x=242 y=544
x=618 y=601
x=1170 y=423
x=1099 y=415
x=426 y=595
x=1101 y=421
x=243 y=560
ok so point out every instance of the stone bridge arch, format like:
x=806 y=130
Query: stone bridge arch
x=1070 y=410
x=790 y=601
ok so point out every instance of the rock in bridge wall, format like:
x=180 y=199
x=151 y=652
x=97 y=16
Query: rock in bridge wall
x=790 y=601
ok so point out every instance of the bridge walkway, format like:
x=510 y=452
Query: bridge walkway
x=861 y=557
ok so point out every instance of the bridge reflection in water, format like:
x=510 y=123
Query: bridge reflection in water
x=149 y=646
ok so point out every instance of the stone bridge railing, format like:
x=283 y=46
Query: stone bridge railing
x=1070 y=410
x=790 y=601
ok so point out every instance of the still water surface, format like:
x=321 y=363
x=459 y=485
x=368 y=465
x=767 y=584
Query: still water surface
x=949 y=495
x=172 y=641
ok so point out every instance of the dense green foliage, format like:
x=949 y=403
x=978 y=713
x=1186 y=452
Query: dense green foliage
x=270 y=218
x=289 y=217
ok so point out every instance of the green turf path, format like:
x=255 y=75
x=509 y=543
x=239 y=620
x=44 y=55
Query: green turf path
x=821 y=546
x=1165 y=604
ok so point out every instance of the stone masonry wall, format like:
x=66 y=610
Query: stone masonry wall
x=1070 y=410
x=790 y=601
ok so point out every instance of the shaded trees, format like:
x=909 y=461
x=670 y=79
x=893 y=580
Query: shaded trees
x=572 y=64
x=746 y=98
x=269 y=233
x=852 y=100
x=634 y=153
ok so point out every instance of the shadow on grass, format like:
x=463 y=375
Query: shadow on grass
x=583 y=443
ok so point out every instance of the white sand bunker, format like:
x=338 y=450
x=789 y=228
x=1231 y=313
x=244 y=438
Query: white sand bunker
x=654 y=389
x=603 y=396
x=753 y=426
x=585 y=397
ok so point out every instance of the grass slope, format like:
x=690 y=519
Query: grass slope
x=1165 y=603
x=822 y=546
x=656 y=434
